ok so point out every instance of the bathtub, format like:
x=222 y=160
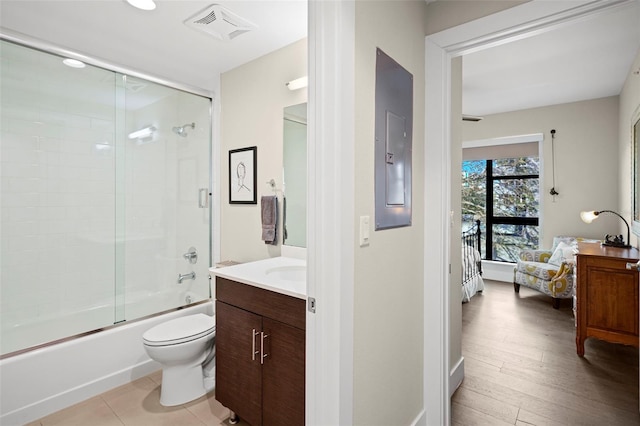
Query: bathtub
x=44 y=328
x=42 y=381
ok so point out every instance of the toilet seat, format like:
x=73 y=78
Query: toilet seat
x=180 y=330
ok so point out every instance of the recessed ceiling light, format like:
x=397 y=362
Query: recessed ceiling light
x=73 y=63
x=143 y=4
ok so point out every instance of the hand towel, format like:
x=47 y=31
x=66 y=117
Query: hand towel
x=269 y=216
x=285 y=235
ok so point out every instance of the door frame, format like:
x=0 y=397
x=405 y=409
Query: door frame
x=526 y=20
x=330 y=212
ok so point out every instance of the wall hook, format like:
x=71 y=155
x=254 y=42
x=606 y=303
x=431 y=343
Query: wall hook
x=553 y=164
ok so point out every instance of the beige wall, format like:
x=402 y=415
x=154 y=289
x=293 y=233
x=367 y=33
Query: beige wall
x=443 y=14
x=252 y=99
x=586 y=157
x=629 y=109
x=455 y=293
x=388 y=311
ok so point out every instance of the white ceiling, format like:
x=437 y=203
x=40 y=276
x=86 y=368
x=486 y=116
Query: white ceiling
x=158 y=43
x=588 y=59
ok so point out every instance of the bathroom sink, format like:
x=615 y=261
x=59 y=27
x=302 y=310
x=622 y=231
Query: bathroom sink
x=281 y=274
x=288 y=273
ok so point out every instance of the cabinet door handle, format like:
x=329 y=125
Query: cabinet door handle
x=254 y=352
x=634 y=266
x=262 y=354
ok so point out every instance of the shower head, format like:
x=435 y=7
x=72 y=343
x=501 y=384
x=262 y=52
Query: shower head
x=181 y=130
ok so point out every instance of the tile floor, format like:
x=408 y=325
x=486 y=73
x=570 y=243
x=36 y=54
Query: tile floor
x=138 y=404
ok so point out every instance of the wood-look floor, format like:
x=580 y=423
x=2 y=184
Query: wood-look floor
x=521 y=366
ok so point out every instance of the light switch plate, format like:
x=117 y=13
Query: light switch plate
x=364 y=231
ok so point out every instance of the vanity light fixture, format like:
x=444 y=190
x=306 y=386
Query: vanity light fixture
x=142 y=133
x=609 y=240
x=298 y=83
x=143 y=4
x=73 y=63
x=102 y=146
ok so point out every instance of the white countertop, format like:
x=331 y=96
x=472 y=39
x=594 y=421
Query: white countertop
x=284 y=275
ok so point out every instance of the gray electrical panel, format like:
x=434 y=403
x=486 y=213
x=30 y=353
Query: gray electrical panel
x=393 y=139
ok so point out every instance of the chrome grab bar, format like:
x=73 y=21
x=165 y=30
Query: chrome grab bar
x=262 y=354
x=254 y=352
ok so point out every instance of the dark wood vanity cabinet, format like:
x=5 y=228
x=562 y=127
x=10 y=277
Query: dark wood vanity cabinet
x=260 y=354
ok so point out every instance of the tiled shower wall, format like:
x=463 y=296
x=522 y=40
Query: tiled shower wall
x=57 y=205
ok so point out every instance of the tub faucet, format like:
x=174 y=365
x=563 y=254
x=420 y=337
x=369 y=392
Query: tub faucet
x=190 y=276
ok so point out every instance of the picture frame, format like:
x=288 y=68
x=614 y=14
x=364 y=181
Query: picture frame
x=243 y=175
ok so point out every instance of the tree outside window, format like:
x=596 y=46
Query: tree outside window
x=504 y=195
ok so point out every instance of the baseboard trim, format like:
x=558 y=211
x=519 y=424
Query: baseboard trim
x=456 y=376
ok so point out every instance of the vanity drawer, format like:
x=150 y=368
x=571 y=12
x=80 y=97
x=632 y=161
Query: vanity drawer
x=280 y=307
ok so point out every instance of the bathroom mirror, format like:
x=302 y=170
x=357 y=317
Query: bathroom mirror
x=635 y=173
x=294 y=175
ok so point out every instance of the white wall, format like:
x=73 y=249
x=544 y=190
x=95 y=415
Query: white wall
x=252 y=99
x=628 y=109
x=388 y=311
x=586 y=159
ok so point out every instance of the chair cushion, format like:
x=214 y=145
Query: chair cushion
x=563 y=253
x=563 y=239
x=544 y=271
x=531 y=255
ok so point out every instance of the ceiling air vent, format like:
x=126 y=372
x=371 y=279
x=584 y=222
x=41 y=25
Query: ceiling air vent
x=220 y=22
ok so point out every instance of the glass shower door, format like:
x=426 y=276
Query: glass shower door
x=104 y=187
x=167 y=152
x=57 y=150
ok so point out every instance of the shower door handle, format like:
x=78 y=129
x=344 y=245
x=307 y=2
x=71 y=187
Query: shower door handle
x=203 y=198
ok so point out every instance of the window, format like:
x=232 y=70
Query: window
x=504 y=194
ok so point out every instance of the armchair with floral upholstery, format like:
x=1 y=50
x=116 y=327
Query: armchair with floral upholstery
x=548 y=271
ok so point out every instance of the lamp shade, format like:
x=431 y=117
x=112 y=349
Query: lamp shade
x=588 y=217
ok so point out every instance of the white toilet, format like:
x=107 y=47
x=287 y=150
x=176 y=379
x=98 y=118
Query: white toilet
x=185 y=348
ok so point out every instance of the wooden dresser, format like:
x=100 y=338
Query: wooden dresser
x=606 y=295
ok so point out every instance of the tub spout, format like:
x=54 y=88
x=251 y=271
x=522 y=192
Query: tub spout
x=182 y=277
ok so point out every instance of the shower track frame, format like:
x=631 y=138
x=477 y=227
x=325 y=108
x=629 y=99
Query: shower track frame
x=51 y=48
